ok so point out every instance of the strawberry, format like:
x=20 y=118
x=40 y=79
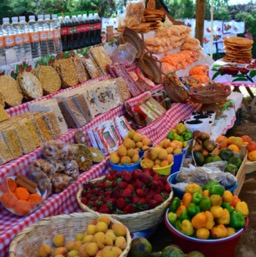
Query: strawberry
x=111 y=203
x=123 y=185
x=108 y=194
x=154 y=185
x=136 y=174
x=115 y=194
x=120 y=203
x=158 y=198
x=168 y=188
x=156 y=177
x=139 y=192
x=131 y=187
x=127 y=193
x=138 y=184
x=84 y=200
x=145 y=178
x=152 y=203
x=104 y=209
x=127 y=177
x=129 y=208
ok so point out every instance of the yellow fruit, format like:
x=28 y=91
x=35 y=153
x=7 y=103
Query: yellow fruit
x=252 y=156
x=122 y=151
x=238 y=141
x=110 y=251
x=151 y=154
x=119 y=229
x=147 y=163
x=177 y=151
x=72 y=253
x=135 y=158
x=99 y=236
x=79 y=237
x=82 y=251
x=166 y=143
x=158 y=162
x=145 y=141
x=145 y=147
x=77 y=245
x=169 y=150
x=137 y=137
x=59 y=255
x=58 y=240
x=234 y=148
x=101 y=227
x=44 y=250
x=131 y=152
x=121 y=242
x=111 y=234
x=170 y=158
x=131 y=133
x=139 y=145
x=164 y=163
x=61 y=250
x=91 y=229
x=105 y=219
x=162 y=155
x=114 y=158
x=99 y=254
x=88 y=239
x=128 y=143
x=156 y=166
x=91 y=248
x=126 y=160
x=70 y=246
x=108 y=241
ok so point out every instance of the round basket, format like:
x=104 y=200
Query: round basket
x=135 y=222
x=27 y=242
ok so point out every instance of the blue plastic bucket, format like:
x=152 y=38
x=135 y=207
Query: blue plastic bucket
x=177 y=161
x=127 y=167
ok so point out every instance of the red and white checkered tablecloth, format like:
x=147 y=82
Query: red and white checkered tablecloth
x=65 y=202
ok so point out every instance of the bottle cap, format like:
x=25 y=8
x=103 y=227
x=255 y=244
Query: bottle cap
x=14 y=19
x=40 y=17
x=54 y=16
x=22 y=18
x=6 y=19
x=47 y=16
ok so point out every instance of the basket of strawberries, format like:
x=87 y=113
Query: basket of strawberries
x=138 y=199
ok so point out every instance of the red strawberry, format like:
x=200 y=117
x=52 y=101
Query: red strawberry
x=154 y=185
x=127 y=177
x=158 y=198
x=127 y=193
x=137 y=199
x=145 y=178
x=129 y=208
x=138 y=184
x=115 y=194
x=104 y=209
x=136 y=174
x=123 y=185
x=156 y=177
x=120 y=203
x=152 y=203
x=168 y=188
x=111 y=203
x=84 y=200
x=131 y=187
x=139 y=192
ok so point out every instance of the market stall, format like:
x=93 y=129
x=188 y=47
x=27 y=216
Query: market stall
x=118 y=99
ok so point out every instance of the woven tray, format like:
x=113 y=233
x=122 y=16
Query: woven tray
x=27 y=242
x=137 y=221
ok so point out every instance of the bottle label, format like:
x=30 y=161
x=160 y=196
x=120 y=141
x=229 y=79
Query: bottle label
x=26 y=38
x=9 y=41
x=43 y=35
x=19 y=39
x=71 y=30
x=97 y=26
x=56 y=34
x=34 y=37
x=1 y=42
x=87 y=27
x=91 y=27
x=64 y=31
x=50 y=35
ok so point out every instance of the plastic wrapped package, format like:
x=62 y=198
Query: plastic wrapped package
x=124 y=53
x=44 y=166
x=72 y=169
x=60 y=181
x=134 y=13
x=52 y=150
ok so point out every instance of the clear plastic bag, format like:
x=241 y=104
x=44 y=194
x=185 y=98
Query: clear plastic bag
x=124 y=53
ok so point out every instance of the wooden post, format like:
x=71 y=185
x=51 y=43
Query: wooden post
x=200 y=10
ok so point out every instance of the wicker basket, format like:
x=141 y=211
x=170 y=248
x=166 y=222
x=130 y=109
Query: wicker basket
x=137 y=221
x=211 y=93
x=175 y=90
x=27 y=242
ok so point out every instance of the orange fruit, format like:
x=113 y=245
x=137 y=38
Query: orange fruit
x=221 y=138
x=246 y=138
x=234 y=148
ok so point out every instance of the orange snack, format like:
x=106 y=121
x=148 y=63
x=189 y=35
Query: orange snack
x=23 y=208
x=11 y=184
x=22 y=193
x=8 y=200
x=34 y=198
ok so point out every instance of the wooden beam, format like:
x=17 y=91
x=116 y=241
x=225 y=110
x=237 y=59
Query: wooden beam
x=200 y=11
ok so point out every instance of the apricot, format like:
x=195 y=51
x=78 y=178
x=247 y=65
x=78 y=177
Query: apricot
x=88 y=239
x=77 y=245
x=61 y=250
x=111 y=251
x=121 y=242
x=147 y=163
x=108 y=241
x=111 y=234
x=114 y=158
x=91 y=248
x=58 y=240
x=164 y=163
x=101 y=226
x=128 y=143
x=119 y=229
x=70 y=246
x=169 y=150
x=162 y=155
x=131 y=133
x=72 y=253
x=91 y=229
x=82 y=251
x=137 y=137
x=145 y=147
x=126 y=160
x=145 y=141
x=105 y=219
x=44 y=250
x=170 y=158
x=131 y=152
x=135 y=158
x=122 y=151
x=139 y=145
x=79 y=236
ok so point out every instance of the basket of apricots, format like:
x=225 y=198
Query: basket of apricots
x=77 y=234
x=161 y=157
x=127 y=156
x=24 y=193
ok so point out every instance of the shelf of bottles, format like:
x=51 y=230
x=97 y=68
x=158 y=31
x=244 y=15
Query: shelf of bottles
x=47 y=35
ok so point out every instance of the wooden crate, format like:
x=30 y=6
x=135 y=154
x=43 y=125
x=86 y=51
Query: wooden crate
x=241 y=176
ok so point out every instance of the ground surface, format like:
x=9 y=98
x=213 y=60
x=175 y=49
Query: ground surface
x=247 y=243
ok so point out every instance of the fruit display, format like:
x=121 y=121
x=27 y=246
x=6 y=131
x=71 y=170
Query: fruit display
x=162 y=154
x=208 y=212
x=128 y=152
x=126 y=192
x=101 y=238
x=141 y=247
x=180 y=133
x=203 y=147
x=237 y=143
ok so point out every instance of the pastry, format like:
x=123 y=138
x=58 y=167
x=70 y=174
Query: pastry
x=52 y=123
x=5 y=153
x=92 y=68
x=30 y=85
x=3 y=114
x=96 y=154
x=44 y=166
x=80 y=137
x=13 y=95
x=83 y=158
x=81 y=72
